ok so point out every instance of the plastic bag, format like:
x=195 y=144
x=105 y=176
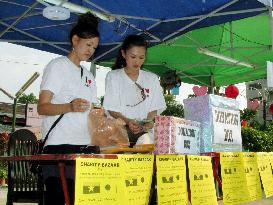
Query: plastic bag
x=106 y=131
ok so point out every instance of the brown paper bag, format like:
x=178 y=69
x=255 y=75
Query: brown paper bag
x=106 y=131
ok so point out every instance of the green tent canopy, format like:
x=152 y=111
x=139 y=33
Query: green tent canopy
x=247 y=40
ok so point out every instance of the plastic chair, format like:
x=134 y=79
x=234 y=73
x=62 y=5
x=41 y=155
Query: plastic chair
x=23 y=185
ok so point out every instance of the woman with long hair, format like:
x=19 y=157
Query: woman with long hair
x=133 y=94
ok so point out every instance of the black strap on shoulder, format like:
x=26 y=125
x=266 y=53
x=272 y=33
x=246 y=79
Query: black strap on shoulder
x=51 y=128
x=81 y=72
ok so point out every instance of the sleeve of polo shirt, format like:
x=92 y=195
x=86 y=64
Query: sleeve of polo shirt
x=52 y=76
x=111 y=98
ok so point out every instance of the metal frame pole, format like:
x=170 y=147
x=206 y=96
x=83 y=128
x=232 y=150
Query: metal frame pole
x=14 y=108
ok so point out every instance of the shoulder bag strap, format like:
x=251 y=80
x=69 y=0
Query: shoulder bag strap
x=51 y=128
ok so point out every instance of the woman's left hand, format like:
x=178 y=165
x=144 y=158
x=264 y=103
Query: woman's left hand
x=80 y=105
x=134 y=126
x=148 y=126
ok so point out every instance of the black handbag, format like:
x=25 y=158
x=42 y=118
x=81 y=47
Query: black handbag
x=35 y=165
x=133 y=137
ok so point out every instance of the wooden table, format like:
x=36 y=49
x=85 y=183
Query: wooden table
x=106 y=154
x=60 y=159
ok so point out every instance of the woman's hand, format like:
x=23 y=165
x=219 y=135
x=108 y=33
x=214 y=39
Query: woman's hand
x=80 y=105
x=134 y=127
x=147 y=126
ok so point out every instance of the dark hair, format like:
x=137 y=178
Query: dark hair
x=129 y=42
x=86 y=27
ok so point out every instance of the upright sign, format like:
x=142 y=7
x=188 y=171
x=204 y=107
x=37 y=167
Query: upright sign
x=136 y=178
x=187 y=138
x=226 y=126
x=98 y=181
x=171 y=180
x=201 y=180
x=265 y=170
x=220 y=122
x=234 y=182
x=252 y=175
x=176 y=135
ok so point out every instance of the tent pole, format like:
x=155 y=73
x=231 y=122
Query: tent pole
x=125 y=21
x=271 y=25
x=213 y=15
x=14 y=107
x=35 y=37
x=200 y=19
x=109 y=51
x=231 y=40
x=264 y=112
x=211 y=85
x=19 y=19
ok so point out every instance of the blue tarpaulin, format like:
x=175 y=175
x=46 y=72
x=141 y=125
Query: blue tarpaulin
x=22 y=22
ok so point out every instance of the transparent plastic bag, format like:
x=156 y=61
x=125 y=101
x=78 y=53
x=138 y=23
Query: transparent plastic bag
x=107 y=131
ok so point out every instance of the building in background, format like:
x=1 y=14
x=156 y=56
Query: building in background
x=6 y=113
x=258 y=90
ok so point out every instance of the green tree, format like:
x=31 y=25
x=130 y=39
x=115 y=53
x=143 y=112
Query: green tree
x=174 y=108
x=24 y=99
x=255 y=140
x=248 y=114
x=3 y=170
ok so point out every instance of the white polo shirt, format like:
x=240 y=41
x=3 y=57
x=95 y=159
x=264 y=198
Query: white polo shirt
x=121 y=94
x=63 y=78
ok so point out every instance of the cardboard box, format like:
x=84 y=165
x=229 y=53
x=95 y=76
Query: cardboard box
x=176 y=135
x=220 y=122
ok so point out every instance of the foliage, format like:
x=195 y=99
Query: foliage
x=3 y=170
x=256 y=137
x=174 y=108
x=31 y=98
x=256 y=125
x=5 y=128
x=192 y=96
x=247 y=114
x=256 y=140
x=4 y=137
x=269 y=128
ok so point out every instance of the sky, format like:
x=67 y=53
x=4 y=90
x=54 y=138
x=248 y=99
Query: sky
x=19 y=63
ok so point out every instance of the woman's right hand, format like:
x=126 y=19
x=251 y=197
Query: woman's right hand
x=134 y=126
x=80 y=105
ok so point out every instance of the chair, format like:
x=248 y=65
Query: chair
x=23 y=186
